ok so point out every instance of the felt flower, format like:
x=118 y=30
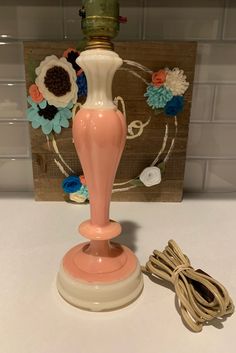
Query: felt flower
x=82 y=85
x=159 y=77
x=48 y=117
x=82 y=179
x=150 y=176
x=71 y=54
x=174 y=106
x=56 y=80
x=80 y=196
x=157 y=96
x=176 y=81
x=36 y=96
x=71 y=184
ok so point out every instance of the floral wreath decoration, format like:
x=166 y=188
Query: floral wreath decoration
x=53 y=97
x=58 y=84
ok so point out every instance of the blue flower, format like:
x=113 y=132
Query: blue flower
x=174 y=106
x=48 y=117
x=158 y=96
x=82 y=85
x=71 y=184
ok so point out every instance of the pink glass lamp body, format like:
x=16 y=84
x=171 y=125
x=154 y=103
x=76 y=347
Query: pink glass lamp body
x=99 y=275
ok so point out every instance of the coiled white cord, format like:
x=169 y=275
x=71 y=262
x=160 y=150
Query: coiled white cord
x=201 y=297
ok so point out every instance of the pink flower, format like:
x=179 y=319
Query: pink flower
x=82 y=179
x=159 y=77
x=35 y=94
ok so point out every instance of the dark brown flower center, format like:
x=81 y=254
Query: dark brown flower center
x=49 y=112
x=57 y=81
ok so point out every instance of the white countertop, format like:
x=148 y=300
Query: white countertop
x=36 y=235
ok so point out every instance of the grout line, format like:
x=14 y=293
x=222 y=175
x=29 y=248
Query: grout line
x=211 y=158
x=12 y=82
x=215 y=122
x=144 y=22
x=16 y=158
x=206 y=166
x=224 y=19
x=63 y=19
x=213 y=107
x=12 y=122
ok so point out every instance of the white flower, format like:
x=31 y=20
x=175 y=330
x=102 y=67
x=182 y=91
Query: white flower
x=150 y=176
x=176 y=81
x=56 y=80
x=77 y=197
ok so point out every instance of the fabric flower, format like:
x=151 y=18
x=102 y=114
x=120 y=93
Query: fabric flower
x=159 y=77
x=80 y=196
x=174 y=106
x=150 y=176
x=176 y=82
x=71 y=54
x=158 y=96
x=56 y=80
x=71 y=184
x=82 y=179
x=48 y=117
x=36 y=96
x=82 y=85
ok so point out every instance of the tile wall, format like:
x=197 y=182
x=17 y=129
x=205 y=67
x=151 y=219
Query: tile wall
x=211 y=161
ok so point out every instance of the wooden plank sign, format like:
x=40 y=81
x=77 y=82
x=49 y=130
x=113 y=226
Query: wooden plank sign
x=152 y=139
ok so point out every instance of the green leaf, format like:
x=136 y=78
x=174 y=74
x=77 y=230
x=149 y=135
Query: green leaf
x=31 y=69
x=158 y=111
x=136 y=182
x=162 y=167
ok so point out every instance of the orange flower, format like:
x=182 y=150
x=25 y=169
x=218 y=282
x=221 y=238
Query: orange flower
x=159 y=77
x=82 y=179
x=35 y=94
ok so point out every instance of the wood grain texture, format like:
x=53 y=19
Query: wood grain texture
x=140 y=152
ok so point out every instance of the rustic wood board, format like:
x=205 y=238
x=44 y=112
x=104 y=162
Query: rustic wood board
x=140 y=152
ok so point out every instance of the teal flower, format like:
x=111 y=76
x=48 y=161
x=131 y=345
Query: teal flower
x=84 y=192
x=48 y=117
x=80 y=196
x=158 y=96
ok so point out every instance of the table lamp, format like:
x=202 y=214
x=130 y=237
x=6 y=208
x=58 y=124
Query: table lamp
x=99 y=275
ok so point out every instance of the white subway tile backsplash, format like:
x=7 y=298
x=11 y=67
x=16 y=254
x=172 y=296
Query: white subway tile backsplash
x=224 y=103
x=12 y=101
x=216 y=63
x=14 y=139
x=133 y=10
x=194 y=175
x=183 y=19
x=16 y=175
x=32 y=20
x=212 y=134
x=72 y=20
x=212 y=140
x=230 y=21
x=11 y=62
x=221 y=176
x=202 y=102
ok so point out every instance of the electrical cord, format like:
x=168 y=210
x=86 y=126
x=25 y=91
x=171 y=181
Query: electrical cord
x=201 y=298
